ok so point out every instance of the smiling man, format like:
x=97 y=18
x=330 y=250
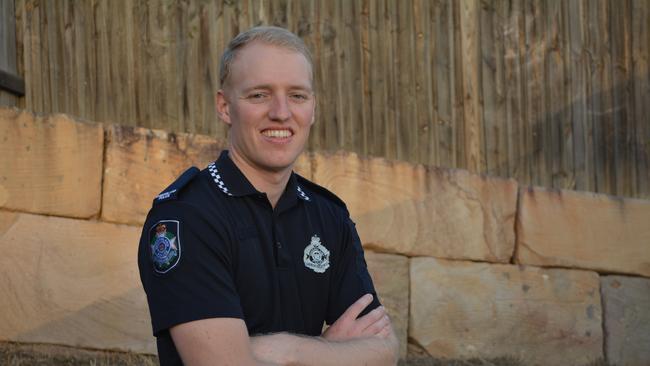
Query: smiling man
x=243 y=262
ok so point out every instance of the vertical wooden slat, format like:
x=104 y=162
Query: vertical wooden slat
x=8 y=48
x=367 y=20
x=624 y=142
x=599 y=101
x=556 y=138
x=494 y=131
x=20 y=46
x=421 y=75
x=44 y=53
x=535 y=104
x=514 y=101
x=329 y=74
x=457 y=90
x=578 y=89
x=404 y=68
x=386 y=134
x=469 y=29
x=641 y=75
x=444 y=76
x=431 y=49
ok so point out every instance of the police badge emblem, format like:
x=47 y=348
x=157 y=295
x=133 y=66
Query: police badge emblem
x=317 y=257
x=165 y=245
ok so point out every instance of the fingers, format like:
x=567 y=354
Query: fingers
x=355 y=309
x=378 y=326
x=385 y=332
x=371 y=318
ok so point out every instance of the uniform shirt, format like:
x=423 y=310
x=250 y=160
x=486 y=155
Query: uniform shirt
x=212 y=246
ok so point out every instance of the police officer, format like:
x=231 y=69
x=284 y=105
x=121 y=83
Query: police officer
x=243 y=262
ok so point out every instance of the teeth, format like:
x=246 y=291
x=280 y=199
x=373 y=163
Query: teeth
x=277 y=133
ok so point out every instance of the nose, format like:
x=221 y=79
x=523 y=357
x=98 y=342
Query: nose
x=280 y=110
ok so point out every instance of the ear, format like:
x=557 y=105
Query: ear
x=223 y=106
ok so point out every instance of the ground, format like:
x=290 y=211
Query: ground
x=15 y=354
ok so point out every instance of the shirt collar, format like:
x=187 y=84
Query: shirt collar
x=231 y=181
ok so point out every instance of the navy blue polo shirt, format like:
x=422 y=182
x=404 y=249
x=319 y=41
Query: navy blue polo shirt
x=212 y=246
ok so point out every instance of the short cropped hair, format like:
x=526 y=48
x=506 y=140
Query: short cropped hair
x=274 y=36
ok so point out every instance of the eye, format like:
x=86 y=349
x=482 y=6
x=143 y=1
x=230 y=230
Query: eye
x=300 y=97
x=257 y=97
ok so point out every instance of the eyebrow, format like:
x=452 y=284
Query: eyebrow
x=268 y=87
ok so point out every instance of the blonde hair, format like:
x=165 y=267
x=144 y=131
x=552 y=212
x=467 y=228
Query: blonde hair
x=274 y=36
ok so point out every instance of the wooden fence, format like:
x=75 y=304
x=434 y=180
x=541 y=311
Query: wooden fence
x=553 y=93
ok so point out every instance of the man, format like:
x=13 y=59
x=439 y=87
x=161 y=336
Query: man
x=244 y=261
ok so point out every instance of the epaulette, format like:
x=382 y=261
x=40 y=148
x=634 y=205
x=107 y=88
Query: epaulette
x=322 y=191
x=172 y=191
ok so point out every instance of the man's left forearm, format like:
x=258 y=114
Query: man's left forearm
x=289 y=349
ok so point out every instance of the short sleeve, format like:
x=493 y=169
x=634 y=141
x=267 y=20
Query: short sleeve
x=351 y=279
x=186 y=267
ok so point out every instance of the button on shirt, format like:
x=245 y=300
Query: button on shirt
x=218 y=249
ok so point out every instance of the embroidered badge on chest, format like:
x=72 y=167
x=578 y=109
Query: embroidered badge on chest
x=317 y=257
x=165 y=245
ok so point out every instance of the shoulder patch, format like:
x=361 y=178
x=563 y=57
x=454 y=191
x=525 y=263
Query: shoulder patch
x=305 y=183
x=165 y=245
x=172 y=191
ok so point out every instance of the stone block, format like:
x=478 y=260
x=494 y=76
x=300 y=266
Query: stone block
x=50 y=165
x=462 y=310
x=626 y=306
x=390 y=275
x=423 y=211
x=140 y=163
x=583 y=230
x=72 y=282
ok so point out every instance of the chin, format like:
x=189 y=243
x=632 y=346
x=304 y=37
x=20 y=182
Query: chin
x=280 y=163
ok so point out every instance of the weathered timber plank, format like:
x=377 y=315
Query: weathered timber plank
x=469 y=38
x=624 y=142
x=555 y=96
x=599 y=102
x=443 y=36
x=641 y=75
x=514 y=97
x=578 y=72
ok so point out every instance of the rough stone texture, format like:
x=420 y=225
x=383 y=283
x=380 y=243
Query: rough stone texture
x=140 y=163
x=413 y=210
x=50 y=165
x=71 y=282
x=626 y=305
x=390 y=274
x=540 y=316
x=583 y=230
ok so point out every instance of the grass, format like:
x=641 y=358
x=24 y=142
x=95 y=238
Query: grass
x=16 y=354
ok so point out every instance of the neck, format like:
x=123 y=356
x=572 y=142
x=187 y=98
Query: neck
x=270 y=182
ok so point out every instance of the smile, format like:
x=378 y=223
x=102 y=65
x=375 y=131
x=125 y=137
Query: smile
x=277 y=133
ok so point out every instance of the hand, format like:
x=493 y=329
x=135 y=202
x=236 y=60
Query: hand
x=375 y=323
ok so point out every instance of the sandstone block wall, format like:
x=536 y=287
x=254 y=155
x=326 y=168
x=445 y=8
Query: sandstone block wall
x=467 y=265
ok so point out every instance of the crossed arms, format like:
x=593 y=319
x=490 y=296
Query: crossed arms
x=368 y=340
